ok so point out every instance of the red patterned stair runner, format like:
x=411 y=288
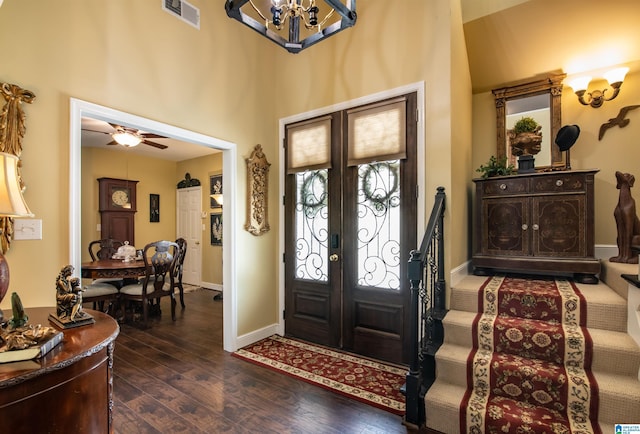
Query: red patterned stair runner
x=530 y=367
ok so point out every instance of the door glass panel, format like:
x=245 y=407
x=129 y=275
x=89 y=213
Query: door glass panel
x=378 y=225
x=311 y=223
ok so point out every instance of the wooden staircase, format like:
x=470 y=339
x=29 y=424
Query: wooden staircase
x=616 y=356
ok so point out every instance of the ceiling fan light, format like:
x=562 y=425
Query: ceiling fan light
x=126 y=138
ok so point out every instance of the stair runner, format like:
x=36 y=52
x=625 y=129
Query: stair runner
x=531 y=360
x=615 y=359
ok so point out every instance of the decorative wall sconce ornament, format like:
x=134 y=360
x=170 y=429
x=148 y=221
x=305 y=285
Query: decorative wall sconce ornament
x=619 y=120
x=188 y=181
x=615 y=77
x=315 y=22
x=257 y=192
x=12 y=129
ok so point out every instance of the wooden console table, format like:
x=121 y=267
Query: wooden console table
x=539 y=222
x=70 y=389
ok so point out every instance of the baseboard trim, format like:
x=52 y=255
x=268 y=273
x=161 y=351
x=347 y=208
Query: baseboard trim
x=214 y=286
x=605 y=251
x=256 y=335
x=460 y=272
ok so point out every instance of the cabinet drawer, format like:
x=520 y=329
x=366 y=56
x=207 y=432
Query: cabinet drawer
x=504 y=187
x=558 y=183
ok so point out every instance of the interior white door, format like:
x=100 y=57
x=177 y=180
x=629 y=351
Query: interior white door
x=189 y=227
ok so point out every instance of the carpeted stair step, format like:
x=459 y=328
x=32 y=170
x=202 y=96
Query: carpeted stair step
x=443 y=409
x=613 y=351
x=451 y=366
x=611 y=273
x=606 y=308
x=443 y=412
x=618 y=395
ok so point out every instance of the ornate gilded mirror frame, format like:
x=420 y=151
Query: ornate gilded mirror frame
x=551 y=85
x=257 y=192
x=12 y=129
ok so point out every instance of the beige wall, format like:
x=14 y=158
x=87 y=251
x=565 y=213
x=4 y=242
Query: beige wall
x=224 y=81
x=151 y=174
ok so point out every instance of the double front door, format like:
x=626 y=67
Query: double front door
x=351 y=206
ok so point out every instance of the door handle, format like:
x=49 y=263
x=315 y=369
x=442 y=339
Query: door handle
x=334 y=258
x=197 y=243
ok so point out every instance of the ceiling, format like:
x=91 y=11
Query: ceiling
x=177 y=150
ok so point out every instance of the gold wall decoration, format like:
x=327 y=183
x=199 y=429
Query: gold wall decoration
x=12 y=129
x=257 y=192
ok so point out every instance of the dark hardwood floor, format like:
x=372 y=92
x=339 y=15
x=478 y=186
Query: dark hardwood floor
x=174 y=377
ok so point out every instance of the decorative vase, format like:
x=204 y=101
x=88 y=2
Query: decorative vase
x=525 y=145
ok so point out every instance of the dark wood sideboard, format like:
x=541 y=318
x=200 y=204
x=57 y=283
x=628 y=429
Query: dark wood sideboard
x=540 y=222
x=70 y=389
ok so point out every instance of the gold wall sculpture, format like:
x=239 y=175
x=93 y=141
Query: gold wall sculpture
x=257 y=192
x=12 y=129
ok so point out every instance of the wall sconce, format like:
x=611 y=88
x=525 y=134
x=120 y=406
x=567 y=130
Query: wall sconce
x=597 y=97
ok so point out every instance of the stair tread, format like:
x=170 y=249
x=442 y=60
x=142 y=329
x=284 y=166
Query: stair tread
x=607 y=309
x=613 y=351
x=443 y=409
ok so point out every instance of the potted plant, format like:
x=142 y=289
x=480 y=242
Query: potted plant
x=496 y=167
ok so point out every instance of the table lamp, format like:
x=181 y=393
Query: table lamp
x=12 y=204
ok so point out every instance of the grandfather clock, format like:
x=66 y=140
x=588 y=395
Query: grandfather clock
x=117 y=209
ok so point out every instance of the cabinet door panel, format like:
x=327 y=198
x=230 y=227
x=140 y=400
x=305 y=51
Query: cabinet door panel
x=560 y=226
x=506 y=226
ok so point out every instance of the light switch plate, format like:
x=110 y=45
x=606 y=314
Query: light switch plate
x=27 y=229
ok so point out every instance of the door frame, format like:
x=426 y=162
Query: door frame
x=78 y=110
x=419 y=89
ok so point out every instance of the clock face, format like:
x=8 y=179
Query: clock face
x=120 y=197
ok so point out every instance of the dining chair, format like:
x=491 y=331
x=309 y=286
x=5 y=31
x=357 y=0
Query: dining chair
x=177 y=277
x=105 y=249
x=160 y=259
x=99 y=294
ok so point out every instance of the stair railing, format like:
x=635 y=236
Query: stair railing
x=428 y=308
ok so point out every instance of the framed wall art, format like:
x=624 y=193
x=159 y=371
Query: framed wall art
x=154 y=208
x=215 y=190
x=216 y=228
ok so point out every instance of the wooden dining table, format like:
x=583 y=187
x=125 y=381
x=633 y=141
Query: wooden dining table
x=112 y=268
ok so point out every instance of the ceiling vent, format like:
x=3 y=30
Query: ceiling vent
x=183 y=10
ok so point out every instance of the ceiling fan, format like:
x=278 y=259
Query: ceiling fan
x=129 y=137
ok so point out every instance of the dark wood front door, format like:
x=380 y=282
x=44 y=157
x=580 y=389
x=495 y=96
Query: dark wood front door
x=349 y=229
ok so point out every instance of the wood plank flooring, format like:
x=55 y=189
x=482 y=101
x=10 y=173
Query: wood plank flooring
x=174 y=377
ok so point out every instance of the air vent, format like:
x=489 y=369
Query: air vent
x=183 y=10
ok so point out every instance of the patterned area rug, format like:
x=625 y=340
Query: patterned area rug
x=365 y=380
x=530 y=366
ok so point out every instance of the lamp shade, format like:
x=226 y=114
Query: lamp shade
x=12 y=203
x=579 y=83
x=616 y=75
x=125 y=138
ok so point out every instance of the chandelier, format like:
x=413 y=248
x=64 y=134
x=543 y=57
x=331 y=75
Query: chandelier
x=308 y=23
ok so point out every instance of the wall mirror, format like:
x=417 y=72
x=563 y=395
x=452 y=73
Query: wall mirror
x=540 y=100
